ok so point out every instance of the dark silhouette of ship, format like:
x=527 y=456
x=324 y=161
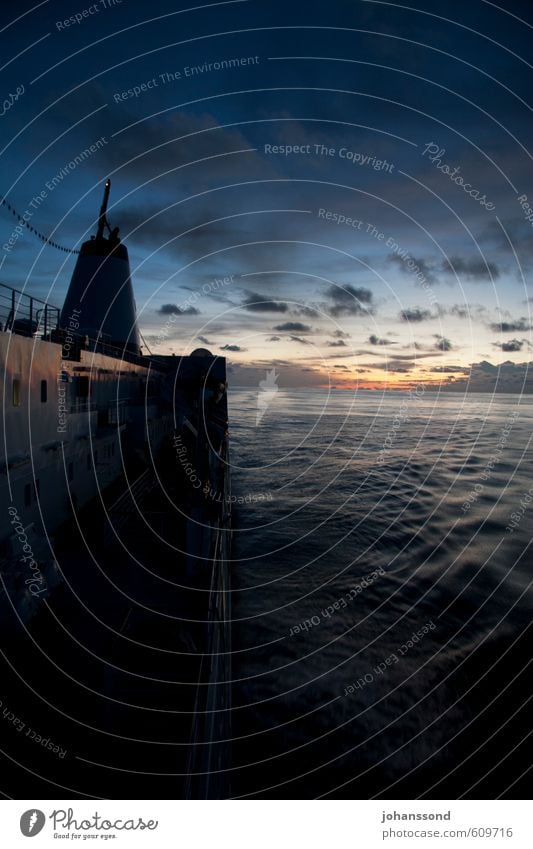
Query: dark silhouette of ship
x=114 y=547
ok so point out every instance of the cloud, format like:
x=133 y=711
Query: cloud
x=517 y=325
x=348 y=300
x=375 y=340
x=340 y=334
x=450 y=369
x=273 y=338
x=205 y=340
x=416 y=314
x=468 y=268
x=398 y=357
x=338 y=344
x=403 y=368
x=511 y=345
x=293 y=327
x=258 y=303
x=231 y=348
x=507 y=377
x=174 y=309
x=407 y=266
x=471 y=269
x=308 y=312
x=459 y=311
x=442 y=344
x=512 y=235
x=160 y=147
x=299 y=339
x=338 y=365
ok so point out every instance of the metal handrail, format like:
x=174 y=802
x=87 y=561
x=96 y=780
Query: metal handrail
x=24 y=314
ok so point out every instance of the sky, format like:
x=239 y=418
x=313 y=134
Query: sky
x=338 y=191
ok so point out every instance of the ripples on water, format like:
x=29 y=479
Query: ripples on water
x=331 y=500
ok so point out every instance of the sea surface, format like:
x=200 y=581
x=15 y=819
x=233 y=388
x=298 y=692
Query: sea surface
x=381 y=594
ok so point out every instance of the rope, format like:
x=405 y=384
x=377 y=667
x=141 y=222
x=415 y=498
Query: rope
x=45 y=239
x=145 y=342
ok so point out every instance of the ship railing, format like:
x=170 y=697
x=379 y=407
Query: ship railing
x=25 y=315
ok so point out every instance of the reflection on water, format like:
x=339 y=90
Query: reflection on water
x=417 y=491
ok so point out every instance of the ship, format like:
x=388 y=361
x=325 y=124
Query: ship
x=115 y=535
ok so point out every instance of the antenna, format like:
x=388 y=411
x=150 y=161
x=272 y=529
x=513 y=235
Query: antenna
x=102 y=220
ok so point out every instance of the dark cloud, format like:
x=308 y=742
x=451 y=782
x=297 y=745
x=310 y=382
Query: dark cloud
x=338 y=344
x=299 y=339
x=205 y=340
x=375 y=340
x=395 y=369
x=459 y=311
x=401 y=367
x=471 y=311
x=273 y=338
x=471 y=269
x=411 y=265
x=442 y=344
x=505 y=377
x=231 y=348
x=398 y=357
x=450 y=369
x=511 y=345
x=293 y=327
x=512 y=236
x=348 y=300
x=308 y=312
x=516 y=326
x=174 y=309
x=258 y=303
x=157 y=149
x=416 y=314
x=340 y=334
x=338 y=365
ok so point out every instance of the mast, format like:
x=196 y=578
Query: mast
x=102 y=220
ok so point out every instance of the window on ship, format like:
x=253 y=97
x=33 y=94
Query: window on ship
x=16 y=392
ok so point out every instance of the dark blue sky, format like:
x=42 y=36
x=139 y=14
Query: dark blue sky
x=414 y=124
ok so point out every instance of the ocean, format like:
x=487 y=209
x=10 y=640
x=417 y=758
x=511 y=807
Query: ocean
x=381 y=599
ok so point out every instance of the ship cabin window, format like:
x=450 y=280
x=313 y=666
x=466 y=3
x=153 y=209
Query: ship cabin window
x=82 y=388
x=44 y=391
x=16 y=392
x=70 y=471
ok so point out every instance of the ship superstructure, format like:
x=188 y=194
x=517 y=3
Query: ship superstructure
x=99 y=444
